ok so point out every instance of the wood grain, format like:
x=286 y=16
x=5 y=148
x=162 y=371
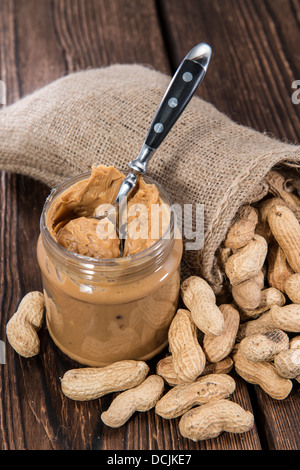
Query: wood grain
x=255 y=57
x=255 y=60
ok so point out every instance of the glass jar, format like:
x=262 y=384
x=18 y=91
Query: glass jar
x=99 y=311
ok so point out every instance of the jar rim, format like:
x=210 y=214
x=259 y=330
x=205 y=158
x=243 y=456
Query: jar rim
x=102 y=262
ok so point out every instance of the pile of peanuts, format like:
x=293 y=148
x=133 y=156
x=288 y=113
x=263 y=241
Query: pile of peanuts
x=255 y=333
x=261 y=260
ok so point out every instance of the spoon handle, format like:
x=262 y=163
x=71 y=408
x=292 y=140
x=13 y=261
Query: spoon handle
x=182 y=87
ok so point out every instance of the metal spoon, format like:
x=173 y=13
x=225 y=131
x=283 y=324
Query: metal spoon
x=183 y=85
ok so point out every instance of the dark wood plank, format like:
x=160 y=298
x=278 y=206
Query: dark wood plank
x=255 y=61
x=73 y=35
x=255 y=57
x=279 y=419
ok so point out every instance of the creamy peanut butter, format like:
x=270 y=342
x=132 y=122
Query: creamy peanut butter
x=115 y=307
x=70 y=219
x=80 y=236
x=82 y=198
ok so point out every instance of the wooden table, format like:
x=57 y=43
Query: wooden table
x=256 y=59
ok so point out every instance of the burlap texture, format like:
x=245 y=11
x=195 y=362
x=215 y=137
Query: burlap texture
x=102 y=116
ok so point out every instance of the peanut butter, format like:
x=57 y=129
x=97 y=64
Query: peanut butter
x=115 y=307
x=80 y=236
x=70 y=219
x=82 y=198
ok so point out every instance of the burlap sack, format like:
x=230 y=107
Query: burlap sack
x=102 y=116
